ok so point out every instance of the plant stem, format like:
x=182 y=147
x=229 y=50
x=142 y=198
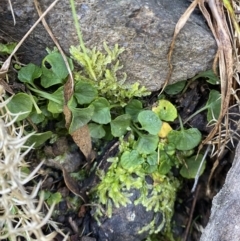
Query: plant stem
x=195 y=113
x=77 y=26
x=35 y=104
x=181 y=123
x=45 y=95
x=79 y=33
x=136 y=130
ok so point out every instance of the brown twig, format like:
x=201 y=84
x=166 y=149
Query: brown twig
x=6 y=64
x=46 y=26
x=191 y=214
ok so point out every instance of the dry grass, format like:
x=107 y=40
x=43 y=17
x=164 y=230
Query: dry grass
x=20 y=210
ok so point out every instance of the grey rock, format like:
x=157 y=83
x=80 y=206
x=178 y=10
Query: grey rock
x=144 y=27
x=225 y=211
x=126 y=222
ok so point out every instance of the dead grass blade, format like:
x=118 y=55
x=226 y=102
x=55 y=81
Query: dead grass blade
x=6 y=64
x=180 y=24
x=46 y=26
x=222 y=35
x=12 y=12
x=224 y=60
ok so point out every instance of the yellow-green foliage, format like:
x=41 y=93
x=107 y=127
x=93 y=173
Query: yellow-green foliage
x=115 y=187
x=102 y=70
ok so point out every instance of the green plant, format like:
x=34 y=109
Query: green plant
x=102 y=100
x=145 y=152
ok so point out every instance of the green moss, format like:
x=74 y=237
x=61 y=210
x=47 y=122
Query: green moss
x=158 y=196
x=102 y=70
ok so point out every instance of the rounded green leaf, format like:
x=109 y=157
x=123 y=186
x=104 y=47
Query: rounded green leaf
x=7 y=48
x=54 y=70
x=133 y=108
x=28 y=73
x=166 y=110
x=39 y=139
x=96 y=131
x=80 y=117
x=152 y=159
x=85 y=92
x=120 y=125
x=213 y=105
x=149 y=168
x=147 y=144
x=53 y=106
x=190 y=168
x=21 y=103
x=131 y=159
x=185 y=139
x=164 y=167
x=36 y=118
x=54 y=198
x=149 y=121
x=101 y=113
x=175 y=88
x=210 y=76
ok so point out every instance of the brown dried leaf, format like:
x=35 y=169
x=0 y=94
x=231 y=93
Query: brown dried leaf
x=72 y=184
x=68 y=91
x=81 y=136
x=69 y=181
x=6 y=86
x=180 y=24
x=83 y=139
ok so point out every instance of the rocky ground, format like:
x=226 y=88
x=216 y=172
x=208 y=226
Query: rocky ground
x=145 y=29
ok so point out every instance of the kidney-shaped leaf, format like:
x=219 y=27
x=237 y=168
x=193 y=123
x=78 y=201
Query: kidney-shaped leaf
x=54 y=70
x=85 y=92
x=80 y=117
x=147 y=144
x=175 y=88
x=133 y=108
x=96 y=131
x=21 y=104
x=39 y=138
x=166 y=110
x=185 y=139
x=101 y=113
x=120 y=124
x=192 y=165
x=28 y=73
x=149 y=121
x=131 y=159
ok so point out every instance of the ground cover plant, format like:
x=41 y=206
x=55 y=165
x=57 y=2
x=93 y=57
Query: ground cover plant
x=154 y=141
x=110 y=109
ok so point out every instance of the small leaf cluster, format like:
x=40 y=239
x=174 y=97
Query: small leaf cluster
x=144 y=153
x=102 y=71
x=145 y=146
x=98 y=93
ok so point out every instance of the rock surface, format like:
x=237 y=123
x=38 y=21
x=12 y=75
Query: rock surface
x=126 y=222
x=143 y=27
x=225 y=213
